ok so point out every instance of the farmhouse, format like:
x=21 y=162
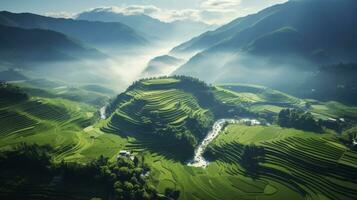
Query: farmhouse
x=124 y=153
x=332 y=120
x=354 y=140
x=251 y=122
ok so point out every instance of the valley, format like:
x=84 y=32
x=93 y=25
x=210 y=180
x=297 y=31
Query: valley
x=78 y=134
x=178 y=100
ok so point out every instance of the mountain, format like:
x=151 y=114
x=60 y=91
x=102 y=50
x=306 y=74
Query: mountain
x=164 y=119
x=142 y=23
x=299 y=33
x=171 y=111
x=161 y=66
x=333 y=82
x=210 y=38
x=20 y=45
x=149 y=26
x=93 y=33
x=11 y=75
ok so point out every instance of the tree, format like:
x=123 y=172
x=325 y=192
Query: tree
x=250 y=159
x=284 y=118
x=172 y=193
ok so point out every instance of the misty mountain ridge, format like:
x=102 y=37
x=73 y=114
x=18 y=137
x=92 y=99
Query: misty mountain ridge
x=24 y=46
x=302 y=34
x=152 y=28
x=100 y=105
x=162 y=65
x=250 y=32
x=99 y=34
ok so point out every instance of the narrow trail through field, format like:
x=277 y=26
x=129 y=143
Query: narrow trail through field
x=198 y=159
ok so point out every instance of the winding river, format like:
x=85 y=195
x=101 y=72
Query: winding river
x=198 y=159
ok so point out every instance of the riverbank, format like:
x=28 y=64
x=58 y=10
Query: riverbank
x=198 y=159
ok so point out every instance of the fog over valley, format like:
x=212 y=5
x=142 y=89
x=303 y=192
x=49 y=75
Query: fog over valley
x=178 y=99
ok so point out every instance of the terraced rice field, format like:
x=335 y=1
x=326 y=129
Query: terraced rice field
x=314 y=166
x=264 y=100
x=95 y=95
x=17 y=124
x=59 y=123
x=257 y=98
x=334 y=110
x=161 y=81
x=151 y=106
x=254 y=94
x=213 y=182
x=297 y=164
x=292 y=161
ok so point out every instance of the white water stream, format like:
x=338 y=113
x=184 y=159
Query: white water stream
x=198 y=159
x=102 y=112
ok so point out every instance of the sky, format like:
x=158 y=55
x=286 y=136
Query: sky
x=208 y=11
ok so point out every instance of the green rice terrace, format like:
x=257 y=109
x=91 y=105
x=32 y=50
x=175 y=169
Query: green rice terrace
x=162 y=121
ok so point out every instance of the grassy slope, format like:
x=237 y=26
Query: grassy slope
x=95 y=95
x=153 y=105
x=64 y=124
x=314 y=165
x=203 y=183
x=334 y=109
x=264 y=100
x=59 y=122
x=258 y=98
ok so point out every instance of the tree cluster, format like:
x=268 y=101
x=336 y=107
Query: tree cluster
x=12 y=93
x=294 y=118
x=124 y=179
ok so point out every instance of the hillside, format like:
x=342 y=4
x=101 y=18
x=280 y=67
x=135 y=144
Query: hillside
x=263 y=101
x=34 y=116
x=40 y=46
x=211 y=38
x=295 y=159
x=63 y=154
x=181 y=110
x=173 y=109
x=277 y=37
x=96 y=107
x=94 y=33
x=161 y=65
x=245 y=31
x=156 y=120
x=11 y=75
x=142 y=114
x=331 y=82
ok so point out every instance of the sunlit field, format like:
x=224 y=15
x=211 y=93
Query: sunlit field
x=178 y=100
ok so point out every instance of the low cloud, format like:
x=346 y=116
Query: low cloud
x=60 y=15
x=129 y=10
x=165 y=15
x=208 y=11
x=208 y=16
x=220 y=4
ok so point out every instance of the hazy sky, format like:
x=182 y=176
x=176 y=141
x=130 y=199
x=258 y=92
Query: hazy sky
x=210 y=11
